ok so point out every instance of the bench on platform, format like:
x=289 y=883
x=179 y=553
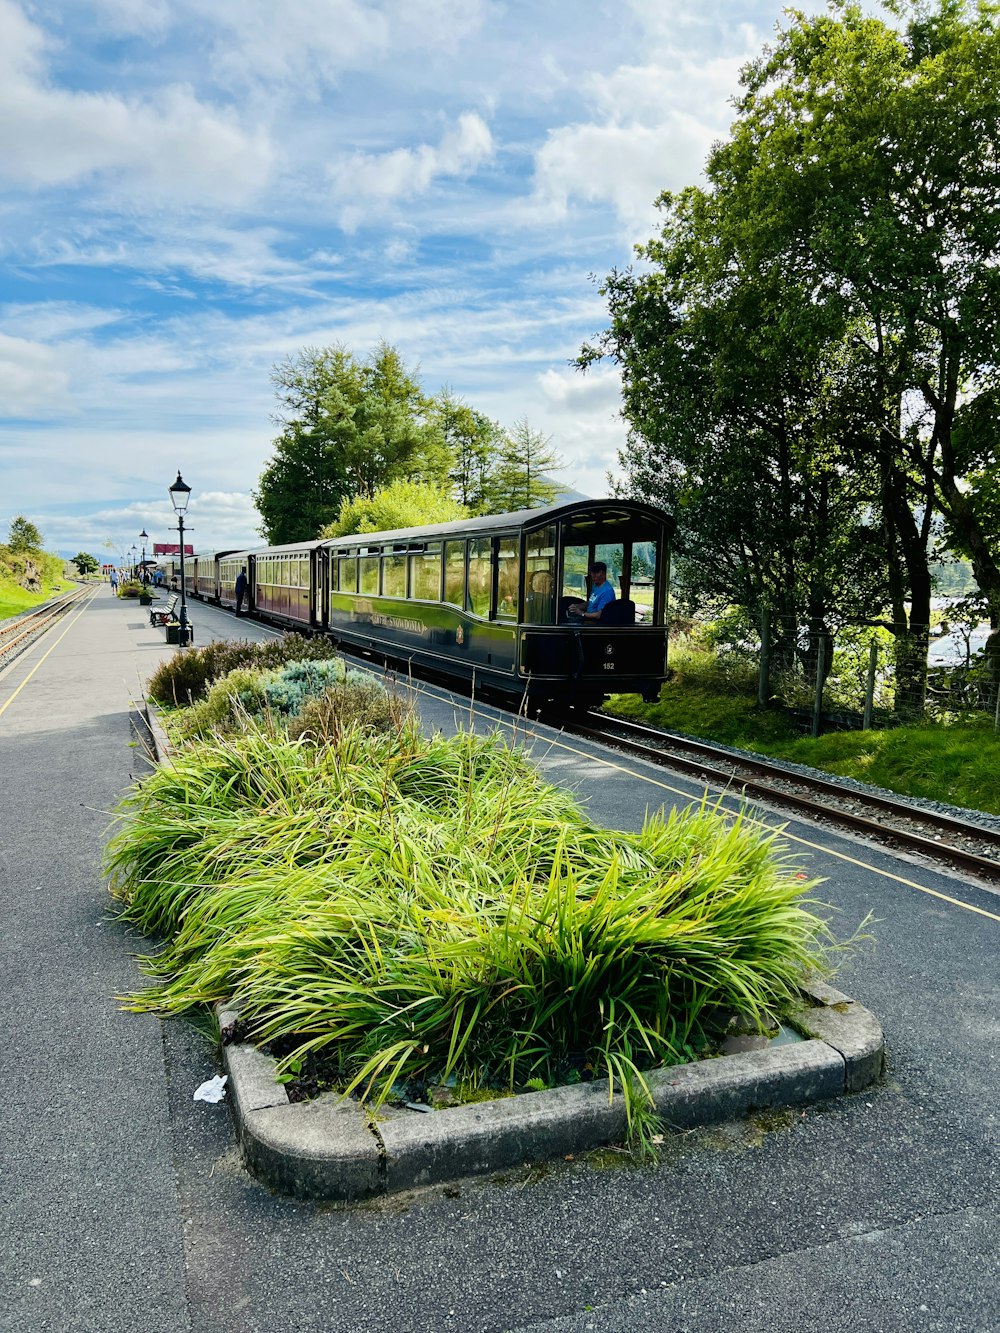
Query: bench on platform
x=161 y=615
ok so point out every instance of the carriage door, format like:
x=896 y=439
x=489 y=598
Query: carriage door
x=574 y=586
x=319 y=611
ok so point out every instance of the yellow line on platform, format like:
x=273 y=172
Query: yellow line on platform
x=52 y=648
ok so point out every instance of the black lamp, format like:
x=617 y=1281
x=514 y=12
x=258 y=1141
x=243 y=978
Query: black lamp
x=180 y=494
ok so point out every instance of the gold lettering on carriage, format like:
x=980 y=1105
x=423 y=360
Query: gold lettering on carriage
x=398 y=622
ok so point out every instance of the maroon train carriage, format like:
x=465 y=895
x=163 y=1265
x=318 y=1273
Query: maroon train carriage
x=286 y=583
x=202 y=574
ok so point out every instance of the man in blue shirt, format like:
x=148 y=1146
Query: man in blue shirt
x=601 y=593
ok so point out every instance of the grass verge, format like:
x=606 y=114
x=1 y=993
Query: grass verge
x=14 y=599
x=955 y=762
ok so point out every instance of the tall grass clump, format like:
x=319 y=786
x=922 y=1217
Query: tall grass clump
x=360 y=703
x=412 y=908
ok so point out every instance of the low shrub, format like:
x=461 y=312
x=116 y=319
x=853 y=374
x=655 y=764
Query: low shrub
x=293 y=647
x=334 y=698
x=287 y=691
x=228 y=701
x=186 y=677
x=358 y=703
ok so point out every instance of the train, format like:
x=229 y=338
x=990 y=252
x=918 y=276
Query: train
x=487 y=602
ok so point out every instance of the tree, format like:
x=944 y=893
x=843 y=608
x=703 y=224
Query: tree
x=349 y=428
x=475 y=444
x=397 y=436
x=401 y=504
x=518 y=479
x=861 y=187
x=23 y=535
x=302 y=487
x=86 y=564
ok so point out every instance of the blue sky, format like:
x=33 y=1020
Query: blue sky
x=191 y=190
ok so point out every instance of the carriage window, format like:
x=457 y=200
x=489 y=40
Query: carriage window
x=613 y=555
x=643 y=585
x=394 y=576
x=480 y=584
x=454 y=573
x=539 y=577
x=349 y=574
x=368 y=574
x=425 y=574
x=334 y=573
x=576 y=560
x=508 y=577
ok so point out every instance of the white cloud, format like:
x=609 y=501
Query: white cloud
x=624 y=165
x=49 y=321
x=310 y=44
x=32 y=383
x=108 y=531
x=652 y=130
x=380 y=178
x=141 y=18
x=169 y=144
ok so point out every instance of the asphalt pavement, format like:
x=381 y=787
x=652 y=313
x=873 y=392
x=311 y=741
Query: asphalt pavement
x=126 y=1206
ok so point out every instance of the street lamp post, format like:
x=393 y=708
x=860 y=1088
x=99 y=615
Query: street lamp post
x=179 y=497
x=135 y=552
x=144 y=538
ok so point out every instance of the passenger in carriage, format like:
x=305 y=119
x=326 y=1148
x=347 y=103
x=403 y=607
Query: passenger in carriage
x=538 y=605
x=601 y=593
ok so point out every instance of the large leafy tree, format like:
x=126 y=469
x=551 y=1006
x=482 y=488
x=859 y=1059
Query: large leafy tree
x=733 y=434
x=843 y=260
x=348 y=428
x=86 y=563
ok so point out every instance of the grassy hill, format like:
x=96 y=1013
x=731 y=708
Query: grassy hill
x=28 y=578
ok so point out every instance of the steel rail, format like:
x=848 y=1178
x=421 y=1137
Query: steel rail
x=959 y=857
x=16 y=635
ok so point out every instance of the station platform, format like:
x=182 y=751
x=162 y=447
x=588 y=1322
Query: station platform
x=125 y=1205
x=93 y=1234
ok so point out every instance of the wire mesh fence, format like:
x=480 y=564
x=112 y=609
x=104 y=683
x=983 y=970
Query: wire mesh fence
x=855 y=676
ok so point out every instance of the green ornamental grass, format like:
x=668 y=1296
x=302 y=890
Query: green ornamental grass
x=410 y=908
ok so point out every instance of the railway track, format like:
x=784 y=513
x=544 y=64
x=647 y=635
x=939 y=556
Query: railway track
x=18 y=634
x=944 y=838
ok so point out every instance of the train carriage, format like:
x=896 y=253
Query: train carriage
x=202 y=574
x=286 y=583
x=488 y=599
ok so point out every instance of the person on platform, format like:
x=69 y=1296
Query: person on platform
x=601 y=593
x=241 y=591
x=113 y=576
